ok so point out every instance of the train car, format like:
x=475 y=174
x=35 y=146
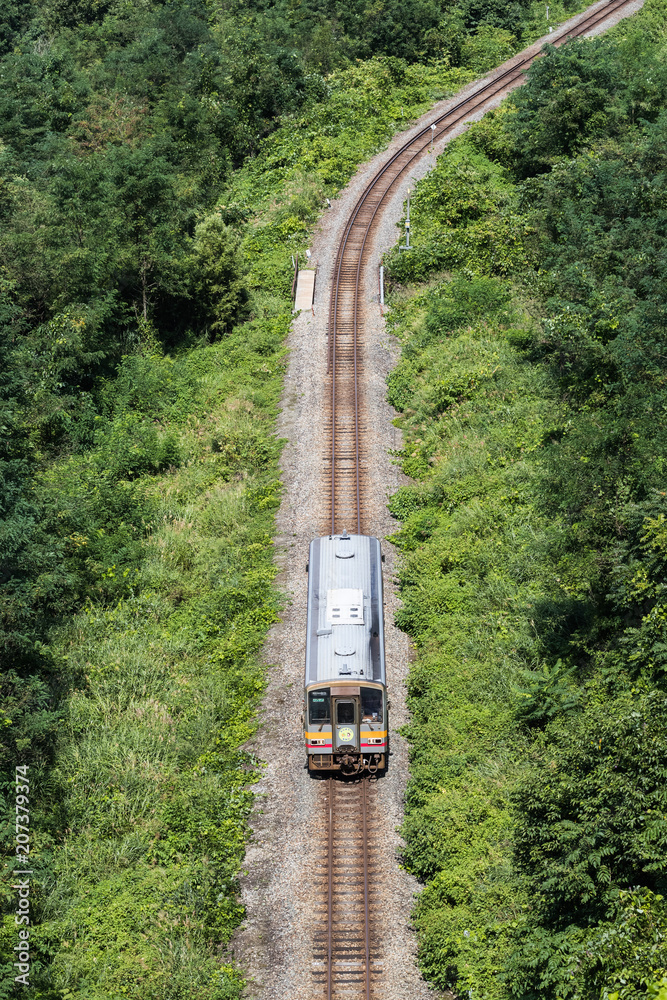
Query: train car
x=345 y=701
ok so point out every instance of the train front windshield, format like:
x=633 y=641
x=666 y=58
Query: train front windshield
x=319 y=706
x=371 y=705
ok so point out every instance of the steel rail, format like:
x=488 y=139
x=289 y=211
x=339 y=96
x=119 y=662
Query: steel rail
x=367 y=923
x=330 y=901
x=466 y=107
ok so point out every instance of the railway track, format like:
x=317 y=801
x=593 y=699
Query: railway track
x=345 y=962
x=346 y=419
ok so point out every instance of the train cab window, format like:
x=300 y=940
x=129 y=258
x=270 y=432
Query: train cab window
x=318 y=706
x=345 y=713
x=371 y=705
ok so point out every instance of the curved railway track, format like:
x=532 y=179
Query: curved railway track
x=347 y=937
x=346 y=418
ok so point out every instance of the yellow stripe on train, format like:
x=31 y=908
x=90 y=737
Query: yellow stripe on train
x=369 y=733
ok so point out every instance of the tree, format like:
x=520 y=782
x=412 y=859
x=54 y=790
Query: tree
x=219 y=290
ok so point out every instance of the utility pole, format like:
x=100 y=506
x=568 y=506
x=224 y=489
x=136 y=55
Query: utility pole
x=433 y=130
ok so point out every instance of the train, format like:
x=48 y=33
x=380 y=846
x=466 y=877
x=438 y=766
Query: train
x=345 y=693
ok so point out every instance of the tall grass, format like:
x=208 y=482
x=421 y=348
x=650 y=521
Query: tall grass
x=143 y=824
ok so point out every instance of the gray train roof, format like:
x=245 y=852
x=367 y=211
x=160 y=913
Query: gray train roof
x=345 y=630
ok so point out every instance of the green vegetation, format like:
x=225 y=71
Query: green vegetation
x=165 y=526
x=531 y=391
x=159 y=165
x=140 y=478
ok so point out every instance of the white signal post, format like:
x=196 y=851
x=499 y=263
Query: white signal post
x=407 y=223
x=406 y=245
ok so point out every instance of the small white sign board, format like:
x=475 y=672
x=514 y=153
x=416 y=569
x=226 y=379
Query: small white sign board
x=305 y=289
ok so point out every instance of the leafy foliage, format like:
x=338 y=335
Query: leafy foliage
x=463 y=215
x=159 y=165
x=533 y=540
